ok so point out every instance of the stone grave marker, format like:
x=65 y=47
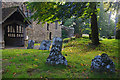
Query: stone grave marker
x=30 y=44
x=55 y=57
x=45 y=45
x=102 y=64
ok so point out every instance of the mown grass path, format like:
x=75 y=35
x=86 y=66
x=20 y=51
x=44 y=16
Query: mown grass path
x=30 y=63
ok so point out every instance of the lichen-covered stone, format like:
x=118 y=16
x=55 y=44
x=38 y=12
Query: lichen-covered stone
x=55 y=56
x=102 y=64
x=30 y=44
x=45 y=45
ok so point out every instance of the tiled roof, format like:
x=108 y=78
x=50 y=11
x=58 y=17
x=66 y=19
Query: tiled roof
x=6 y=12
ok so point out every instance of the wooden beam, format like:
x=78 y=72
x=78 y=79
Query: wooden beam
x=12 y=22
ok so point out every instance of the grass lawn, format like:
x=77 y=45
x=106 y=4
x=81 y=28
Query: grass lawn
x=30 y=63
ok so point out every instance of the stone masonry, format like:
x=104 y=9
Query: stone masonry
x=39 y=33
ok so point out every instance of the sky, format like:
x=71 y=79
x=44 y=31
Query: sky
x=113 y=16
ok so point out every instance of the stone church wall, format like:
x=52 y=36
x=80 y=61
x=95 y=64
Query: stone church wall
x=39 y=32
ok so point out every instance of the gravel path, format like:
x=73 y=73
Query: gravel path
x=8 y=47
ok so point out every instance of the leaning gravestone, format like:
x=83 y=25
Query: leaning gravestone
x=45 y=45
x=102 y=64
x=30 y=44
x=55 y=56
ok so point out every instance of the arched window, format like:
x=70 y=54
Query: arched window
x=56 y=24
x=47 y=26
x=50 y=35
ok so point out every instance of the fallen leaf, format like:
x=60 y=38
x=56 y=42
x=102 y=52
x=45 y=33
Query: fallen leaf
x=14 y=73
x=41 y=77
x=81 y=64
x=7 y=70
x=84 y=69
x=36 y=59
x=83 y=72
x=17 y=54
x=36 y=65
x=10 y=62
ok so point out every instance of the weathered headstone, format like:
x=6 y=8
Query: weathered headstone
x=103 y=37
x=30 y=44
x=100 y=39
x=45 y=45
x=109 y=37
x=102 y=64
x=55 y=56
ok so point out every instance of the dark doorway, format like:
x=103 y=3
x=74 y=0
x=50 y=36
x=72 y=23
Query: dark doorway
x=14 y=35
x=50 y=35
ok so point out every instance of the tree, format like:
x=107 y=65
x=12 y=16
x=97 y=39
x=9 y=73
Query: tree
x=51 y=11
x=76 y=24
x=115 y=6
x=94 y=26
x=105 y=23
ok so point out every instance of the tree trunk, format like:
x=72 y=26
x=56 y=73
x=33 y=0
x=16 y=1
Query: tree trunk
x=94 y=26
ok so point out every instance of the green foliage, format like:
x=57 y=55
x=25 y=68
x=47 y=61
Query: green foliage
x=112 y=5
x=79 y=25
x=105 y=29
x=52 y=11
x=118 y=24
x=43 y=11
x=66 y=39
x=64 y=33
x=69 y=22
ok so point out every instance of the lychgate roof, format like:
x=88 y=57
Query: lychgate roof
x=7 y=12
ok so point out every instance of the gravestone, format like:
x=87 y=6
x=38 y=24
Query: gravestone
x=55 y=57
x=102 y=64
x=45 y=45
x=109 y=37
x=30 y=44
x=100 y=39
x=103 y=37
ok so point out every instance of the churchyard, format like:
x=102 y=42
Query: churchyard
x=31 y=63
x=60 y=40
